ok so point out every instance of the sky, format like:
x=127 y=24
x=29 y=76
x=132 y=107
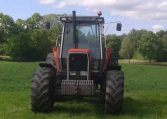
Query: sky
x=133 y=14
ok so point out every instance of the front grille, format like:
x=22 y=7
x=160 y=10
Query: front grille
x=78 y=62
x=78 y=66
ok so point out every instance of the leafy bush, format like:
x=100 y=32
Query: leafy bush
x=29 y=46
x=4 y=49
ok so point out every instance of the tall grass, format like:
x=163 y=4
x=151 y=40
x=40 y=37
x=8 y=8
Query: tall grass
x=145 y=95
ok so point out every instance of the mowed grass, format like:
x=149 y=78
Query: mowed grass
x=145 y=95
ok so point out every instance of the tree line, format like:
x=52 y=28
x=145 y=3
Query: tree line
x=140 y=44
x=28 y=40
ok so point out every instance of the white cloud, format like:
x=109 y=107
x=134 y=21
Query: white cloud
x=163 y=5
x=46 y=2
x=139 y=9
x=62 y=4
x=157 y=28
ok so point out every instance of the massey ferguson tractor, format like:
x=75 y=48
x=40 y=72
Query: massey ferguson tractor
x=80 y=66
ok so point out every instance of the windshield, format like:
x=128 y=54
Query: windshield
x=87 y=37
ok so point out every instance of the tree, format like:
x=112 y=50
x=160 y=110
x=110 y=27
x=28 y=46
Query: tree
x=162 y=50
x=33 y=22
x=7 y=28
x=27 y=39
x=148 y=45
x=7 y=23
x=19 y=46
x=114 y=42
x=127 y=48
x=130 y=43
x=54 y=35
x=40 y=43
x=29 y=45
x=20 y=24
x=2 y=39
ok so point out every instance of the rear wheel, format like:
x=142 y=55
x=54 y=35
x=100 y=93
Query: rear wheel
x=42 y=90
x=114 y=92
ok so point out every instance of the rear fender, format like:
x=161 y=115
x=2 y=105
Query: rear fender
x=56 y=55
x=108 y=60
x=47 y=65
x=108 y=57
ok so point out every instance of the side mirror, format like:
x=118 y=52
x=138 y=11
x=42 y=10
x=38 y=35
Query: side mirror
x=119 y=26
x=47 y=25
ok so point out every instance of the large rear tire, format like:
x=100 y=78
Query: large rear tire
x=42 y=90
x=114 y=92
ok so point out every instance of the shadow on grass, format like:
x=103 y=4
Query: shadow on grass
x=93 y=106
x=143 y=107
x=77 y=107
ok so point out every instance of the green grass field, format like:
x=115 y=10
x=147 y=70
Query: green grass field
x=145 y=95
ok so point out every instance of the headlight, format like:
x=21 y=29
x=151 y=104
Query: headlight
x=73 y=73
x=83 y=73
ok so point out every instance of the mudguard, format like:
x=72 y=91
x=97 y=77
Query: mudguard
x=46 y=65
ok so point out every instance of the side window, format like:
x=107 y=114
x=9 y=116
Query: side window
x=68 y=39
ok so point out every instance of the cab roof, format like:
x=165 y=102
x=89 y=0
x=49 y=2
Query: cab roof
x=92 y=19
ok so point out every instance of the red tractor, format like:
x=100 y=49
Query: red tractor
x=80 y=65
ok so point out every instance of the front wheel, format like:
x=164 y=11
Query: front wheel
x=42 y=90
x=114 y=92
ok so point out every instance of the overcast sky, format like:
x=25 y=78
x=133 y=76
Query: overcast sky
x=137 y=14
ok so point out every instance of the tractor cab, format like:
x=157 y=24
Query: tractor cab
x=82 y=36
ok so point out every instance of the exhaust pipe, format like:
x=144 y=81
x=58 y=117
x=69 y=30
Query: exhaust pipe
x=74 y=29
